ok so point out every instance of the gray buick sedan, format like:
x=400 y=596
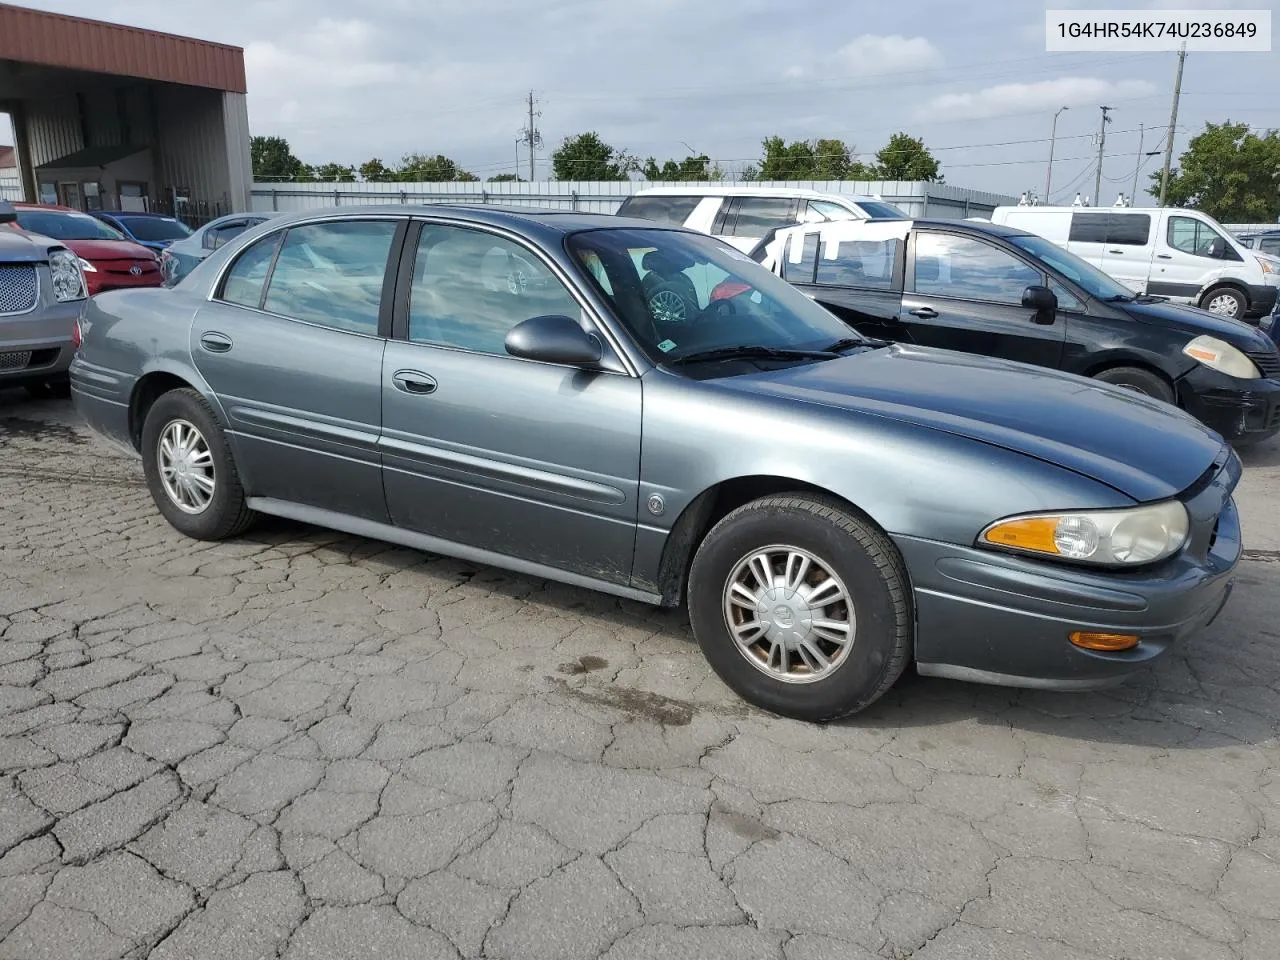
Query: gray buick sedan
x=647 y=412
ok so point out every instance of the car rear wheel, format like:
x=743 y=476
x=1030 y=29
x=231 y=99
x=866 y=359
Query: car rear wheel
x=190 y=472
x=1139 y=381
x=1225 y=302
x=801 y=607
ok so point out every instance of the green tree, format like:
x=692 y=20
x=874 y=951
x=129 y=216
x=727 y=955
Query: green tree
x=420 y=168
x=906 y=158
x=587 y=157
x=821 y=159
x=1229 y=172
x=506 y=178
x=272 y=159
x=331 y=172
x=690 y=168
x=375 y=171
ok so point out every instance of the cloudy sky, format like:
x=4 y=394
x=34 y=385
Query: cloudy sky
x=349 y=81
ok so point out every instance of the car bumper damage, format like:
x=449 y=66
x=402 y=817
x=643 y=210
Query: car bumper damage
x=1007 y=620
x=1250 y=413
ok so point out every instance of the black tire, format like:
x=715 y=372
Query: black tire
x=226 y=514
x=50 y=389
x=1140 y=381
x=1226 y=293
x=858 y=553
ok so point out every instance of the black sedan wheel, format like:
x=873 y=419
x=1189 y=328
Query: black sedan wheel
x=189 y=469
x=802 y=607
x=1139 y=381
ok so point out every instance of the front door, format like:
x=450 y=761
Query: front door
x=964 y=293
x=1185 y=259
x=529 y=460
x=292 y=347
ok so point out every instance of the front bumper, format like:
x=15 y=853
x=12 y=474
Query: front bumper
x=1244 y=411
x=996 y=618
x=36 y=347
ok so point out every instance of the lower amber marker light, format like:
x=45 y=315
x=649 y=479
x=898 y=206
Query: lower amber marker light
x=1107 y=642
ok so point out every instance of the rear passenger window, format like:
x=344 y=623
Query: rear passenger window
x=1088 y=228
x=756 y=216
x=669 y=211
x=859 y=263
x=243 y=283
x=331 y=274
x=801 y=272
x=1122 y=229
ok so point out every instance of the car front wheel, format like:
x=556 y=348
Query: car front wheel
x=802 y=607
x=190 y=472
x=1225 y=302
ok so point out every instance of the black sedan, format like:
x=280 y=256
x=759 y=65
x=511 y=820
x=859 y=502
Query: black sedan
x=1000 y=292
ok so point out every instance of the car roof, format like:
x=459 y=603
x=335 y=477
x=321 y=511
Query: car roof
x=796 y=192
x=545 y=220
x=52 y=207
x=909 y=223
x=134 y=213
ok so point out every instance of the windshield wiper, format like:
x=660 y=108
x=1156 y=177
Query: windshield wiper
x=748 y=351
x=1120 y=298
x=848 y=343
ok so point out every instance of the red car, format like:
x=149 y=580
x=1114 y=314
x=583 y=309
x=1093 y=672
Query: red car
x=109 y=260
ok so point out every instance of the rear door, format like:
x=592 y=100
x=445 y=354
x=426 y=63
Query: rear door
x=744 y=221
x=856 y=274
x=964 y=293
x=292 y=347
x=1129 y=249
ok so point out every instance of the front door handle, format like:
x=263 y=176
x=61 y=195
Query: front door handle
x=1121 y=252
x=411 y=381
x=1165 y=256
x=215 y=342
x=924 y=313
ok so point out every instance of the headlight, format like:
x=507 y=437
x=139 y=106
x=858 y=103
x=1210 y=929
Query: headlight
x=1110 y=537
x=86 y=266
x=1268 y=265
x=68 y=281
x=1223 y=357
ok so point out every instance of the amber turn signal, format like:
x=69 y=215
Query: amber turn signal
x=1106 y=642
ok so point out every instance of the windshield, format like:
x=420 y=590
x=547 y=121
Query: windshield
x=682 y=293
x=1093 y=280
x=881 y=211
x=65 y=225
x=153 y=229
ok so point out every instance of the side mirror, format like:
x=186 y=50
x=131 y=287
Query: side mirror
x=1041 y=300
x=7 y=212
x=554 y=339
x=1217 y=248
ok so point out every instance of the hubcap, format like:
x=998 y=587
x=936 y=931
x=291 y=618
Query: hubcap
x=1223 y=304
x=668 y=306
x=789 y=614
x=186 y=467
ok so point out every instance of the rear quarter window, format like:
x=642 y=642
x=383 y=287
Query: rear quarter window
x=669 y=211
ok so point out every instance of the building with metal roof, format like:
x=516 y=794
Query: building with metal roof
x=108 y=117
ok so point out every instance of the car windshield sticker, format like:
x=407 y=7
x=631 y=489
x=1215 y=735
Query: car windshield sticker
x=666 y=346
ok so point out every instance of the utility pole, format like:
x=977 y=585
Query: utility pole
x=1102 y=143
x=1173 y=123
x=1133 y=193
x=1053 y=136
x=531 y=136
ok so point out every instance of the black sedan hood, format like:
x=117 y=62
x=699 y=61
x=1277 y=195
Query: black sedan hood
x=1196 y=322
x=1146 y=449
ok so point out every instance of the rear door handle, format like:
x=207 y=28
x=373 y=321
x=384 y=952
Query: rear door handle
x=1164 y=256
x=1121 y=252
x=924 y=313
x=411 y=381
x=215 y=342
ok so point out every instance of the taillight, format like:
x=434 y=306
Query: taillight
x=76 y=337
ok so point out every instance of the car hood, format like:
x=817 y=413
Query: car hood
x=1146 y=449
x=1197 y=322
x=93 y=250
x=17 y=246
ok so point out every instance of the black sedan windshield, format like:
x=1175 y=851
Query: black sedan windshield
x=681 y=294
x=66 y=225
x=1073 y=268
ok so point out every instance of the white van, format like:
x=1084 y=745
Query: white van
x=1161 y=251
x=743 y=216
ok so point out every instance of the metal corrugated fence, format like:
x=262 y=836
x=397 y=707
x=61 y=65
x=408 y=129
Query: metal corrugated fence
x=917 y=199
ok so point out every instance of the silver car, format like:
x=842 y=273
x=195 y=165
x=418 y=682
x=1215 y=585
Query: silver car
x=496 y=385
x=42 y=294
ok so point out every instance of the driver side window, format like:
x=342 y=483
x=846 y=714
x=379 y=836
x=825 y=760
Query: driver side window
x=470 y=288
x=1192 y=236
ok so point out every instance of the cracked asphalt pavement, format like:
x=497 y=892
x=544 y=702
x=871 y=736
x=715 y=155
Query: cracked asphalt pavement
x=310 y=746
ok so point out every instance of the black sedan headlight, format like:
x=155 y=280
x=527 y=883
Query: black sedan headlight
x=1113 y=538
